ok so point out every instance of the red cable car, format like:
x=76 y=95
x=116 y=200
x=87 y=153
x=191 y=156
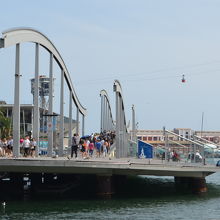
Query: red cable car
x=183 y=79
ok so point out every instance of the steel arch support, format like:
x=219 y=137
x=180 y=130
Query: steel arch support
x=20 y=35
x=36 y=100
x=16 y=109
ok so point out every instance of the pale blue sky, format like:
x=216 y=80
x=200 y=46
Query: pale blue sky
x=146 y=45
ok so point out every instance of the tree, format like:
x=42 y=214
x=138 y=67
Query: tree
x=5 y=125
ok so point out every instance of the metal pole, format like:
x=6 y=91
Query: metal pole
x=77 y=120
x=83 y=125
x=36 y=100
x=70 y=119
x=121 y=128
x=133 y=124
x=117 y=131
x=107 y=116
x=202 y=124
x=101 y=129
x=194 y=151
x=50 y=119
x=32 y=121
x=203 y=148
x=60 y=153
x=16 y=108
x=166 y=142
x=104 y=115
x=24 y=122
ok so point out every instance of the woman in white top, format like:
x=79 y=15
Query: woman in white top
x=26 y=146
x=33 y=147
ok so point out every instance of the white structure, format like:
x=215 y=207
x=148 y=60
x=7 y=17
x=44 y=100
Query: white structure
x=107 y=123
x=121 y=128
x=15 y=37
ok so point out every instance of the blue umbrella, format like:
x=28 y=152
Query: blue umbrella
x=85 y=137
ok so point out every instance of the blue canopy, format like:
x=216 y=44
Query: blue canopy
x=85 y=136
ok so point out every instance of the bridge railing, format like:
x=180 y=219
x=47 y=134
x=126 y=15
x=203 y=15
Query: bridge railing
x=189 y=150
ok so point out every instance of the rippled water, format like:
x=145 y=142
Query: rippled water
x=149 y=198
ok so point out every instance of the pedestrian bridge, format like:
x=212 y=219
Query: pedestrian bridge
x=104 y=166
x=121 y=162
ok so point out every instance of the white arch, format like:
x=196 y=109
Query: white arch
x=118 y=89
x=103 y=93
x=20 y=35
x=121 y=128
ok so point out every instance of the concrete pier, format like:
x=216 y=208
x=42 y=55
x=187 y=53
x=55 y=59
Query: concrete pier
x=194 y=184
x=105 y=186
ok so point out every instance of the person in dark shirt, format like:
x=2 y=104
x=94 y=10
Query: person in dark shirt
x=75 y=144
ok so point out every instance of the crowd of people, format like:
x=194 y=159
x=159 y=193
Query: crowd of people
x=93 y=145
x=27 y=147
x=90 y=146
x=87 y=147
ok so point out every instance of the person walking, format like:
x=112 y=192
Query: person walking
x=98 y=147
x=10 y=146
x=91 y=148
x=26 y=145
x=74 y=146
x=33 y=147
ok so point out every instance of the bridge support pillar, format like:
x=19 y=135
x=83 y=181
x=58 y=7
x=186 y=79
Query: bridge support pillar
x=17 y=178
x=104 y=186
x=16 y=185
x=195 y=184
x=36 y=181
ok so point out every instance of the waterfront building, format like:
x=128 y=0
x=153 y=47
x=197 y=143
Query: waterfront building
x=26 y=122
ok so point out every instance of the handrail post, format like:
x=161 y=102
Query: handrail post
x=36 y=101
x=60 y=153
x=50 y=119
x=16 y=108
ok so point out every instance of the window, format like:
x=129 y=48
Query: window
x=144 y=138
x=155 y=138
x=149 y=138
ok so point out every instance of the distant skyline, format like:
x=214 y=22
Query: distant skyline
x=147 y=45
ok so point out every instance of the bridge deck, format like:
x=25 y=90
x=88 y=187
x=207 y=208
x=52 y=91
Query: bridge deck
x=104 y=166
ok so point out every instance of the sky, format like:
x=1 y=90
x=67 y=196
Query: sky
x=145 y=44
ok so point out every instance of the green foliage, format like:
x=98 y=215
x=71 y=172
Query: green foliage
x=5 y=125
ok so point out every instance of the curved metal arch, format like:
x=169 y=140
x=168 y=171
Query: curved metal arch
x=105 y=94
x=118 y=88
x=20 y=35
x=121 y=128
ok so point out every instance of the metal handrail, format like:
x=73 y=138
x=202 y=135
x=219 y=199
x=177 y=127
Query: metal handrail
x=209 y=142
x=191 y=141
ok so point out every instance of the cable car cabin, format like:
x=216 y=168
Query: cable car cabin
x=183 y=79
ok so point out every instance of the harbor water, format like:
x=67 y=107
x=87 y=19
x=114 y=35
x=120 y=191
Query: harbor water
x=144 y=198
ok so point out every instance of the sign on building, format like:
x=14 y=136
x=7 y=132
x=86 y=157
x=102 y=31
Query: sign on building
x=145 y=150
